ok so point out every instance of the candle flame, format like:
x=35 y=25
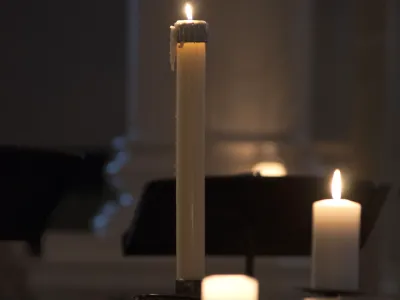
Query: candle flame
x=189 y=11
x=336 y=186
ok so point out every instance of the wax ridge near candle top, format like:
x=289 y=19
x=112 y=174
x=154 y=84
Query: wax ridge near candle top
x=181 y=22
x=186 y=31
x=337 y=203
x=190 y=31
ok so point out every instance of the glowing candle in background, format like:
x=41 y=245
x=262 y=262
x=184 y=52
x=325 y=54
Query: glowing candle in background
x=336 y=240
x=269 y=169
x=229 y=287
x=188 y=47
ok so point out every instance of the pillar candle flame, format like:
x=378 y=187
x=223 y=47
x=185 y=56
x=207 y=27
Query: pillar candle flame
x=336 y=234
x=336 y=186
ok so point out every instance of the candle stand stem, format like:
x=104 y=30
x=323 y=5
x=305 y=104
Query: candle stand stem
x=191 y=288
x=249 y=265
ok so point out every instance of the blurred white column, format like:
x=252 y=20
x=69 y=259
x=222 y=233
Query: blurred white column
x=333 y=81
x=376 y=142
x=367 y=115
x=390 y=159
x=369 y=88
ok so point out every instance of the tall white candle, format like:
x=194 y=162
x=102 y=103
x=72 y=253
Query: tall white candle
x=335 y=244
x=188 y=45
x=229 y=287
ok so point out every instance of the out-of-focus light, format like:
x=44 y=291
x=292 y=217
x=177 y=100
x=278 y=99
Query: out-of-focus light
x=126 y=199
x=269 y=169
x=336 y=185
x=229 y=287
x=189 y=11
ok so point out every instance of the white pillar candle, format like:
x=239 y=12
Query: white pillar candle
x=229 y=287
x=188 y=45
x=335 y=244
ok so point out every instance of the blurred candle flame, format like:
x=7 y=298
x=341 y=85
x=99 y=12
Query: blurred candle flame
x=336 y=185
x=189 y=11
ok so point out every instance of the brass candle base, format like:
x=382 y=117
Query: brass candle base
x=191 y=288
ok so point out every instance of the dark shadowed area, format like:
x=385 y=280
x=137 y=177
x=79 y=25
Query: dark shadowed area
x=62 y=72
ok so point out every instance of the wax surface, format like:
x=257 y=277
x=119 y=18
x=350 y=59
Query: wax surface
x=335 y=248
x=190 y=144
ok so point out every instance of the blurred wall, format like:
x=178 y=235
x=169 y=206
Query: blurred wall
x=257 y=84
x=62 y=72
x=63 y=76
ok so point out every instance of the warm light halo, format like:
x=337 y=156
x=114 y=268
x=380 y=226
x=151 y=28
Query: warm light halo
x=229 y=286
x=269 y=169
x=189 y=11
x=336 y=185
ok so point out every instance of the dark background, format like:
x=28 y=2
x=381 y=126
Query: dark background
x=62 y=72
x=62 y=87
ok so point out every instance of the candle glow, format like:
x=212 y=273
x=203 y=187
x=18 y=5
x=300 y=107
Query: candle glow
x=189 y=11
x=229 y=287
x=336 y=185
x=269 y=169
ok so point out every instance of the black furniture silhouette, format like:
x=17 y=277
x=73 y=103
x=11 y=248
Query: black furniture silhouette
x=246 y=215
x=32 y=183
x=163 y=297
